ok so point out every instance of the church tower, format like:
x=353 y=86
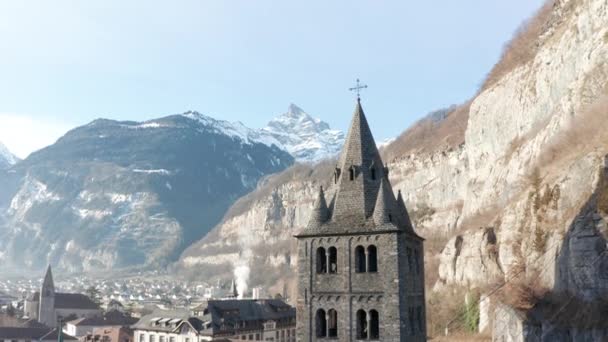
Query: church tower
x=46 y=314
x=360 y=262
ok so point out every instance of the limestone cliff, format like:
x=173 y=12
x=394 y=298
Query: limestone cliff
x=506 y=186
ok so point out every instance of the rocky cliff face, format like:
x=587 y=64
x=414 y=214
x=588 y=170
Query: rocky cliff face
x=113 y=195
x=513 y=193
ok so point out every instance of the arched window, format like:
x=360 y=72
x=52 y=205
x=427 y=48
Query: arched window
x=374 y=325
x=351 y=173
x=332 y=323
x=333 y=260
x=321 y=260
x=373 y=173
x=359 y=259
x=372 y=259
x=321 y=323
x=361 y=325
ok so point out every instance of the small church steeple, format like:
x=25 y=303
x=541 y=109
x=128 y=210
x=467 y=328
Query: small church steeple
x=48 y=286
x=46 y=313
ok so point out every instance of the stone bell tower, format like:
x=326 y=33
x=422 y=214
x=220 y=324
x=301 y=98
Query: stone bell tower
x=360 y=262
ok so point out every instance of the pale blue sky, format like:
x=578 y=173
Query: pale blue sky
x=65 y=63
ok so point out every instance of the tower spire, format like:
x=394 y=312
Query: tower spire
x=360 y=169
x=47 y=283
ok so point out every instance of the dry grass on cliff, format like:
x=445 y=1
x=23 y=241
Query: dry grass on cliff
x=585 y=134
x=523 y=46
x=427 y=135
x=320 y=173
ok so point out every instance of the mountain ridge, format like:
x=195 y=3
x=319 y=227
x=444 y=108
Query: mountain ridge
x=7 y=158
x=119 y=194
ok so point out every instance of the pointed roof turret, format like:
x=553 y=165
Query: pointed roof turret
x=403 y=214
x=48 y=286
x=384 y=211
x=320 y=213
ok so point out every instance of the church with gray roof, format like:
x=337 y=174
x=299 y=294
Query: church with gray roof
x=48 y=306
x=360 y=262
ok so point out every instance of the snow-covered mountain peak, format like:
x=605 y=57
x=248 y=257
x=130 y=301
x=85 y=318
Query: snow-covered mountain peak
x=236 y=130
x=6 y=157
x=306 y=138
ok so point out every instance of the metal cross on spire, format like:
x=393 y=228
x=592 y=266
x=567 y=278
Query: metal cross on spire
x=358 y=88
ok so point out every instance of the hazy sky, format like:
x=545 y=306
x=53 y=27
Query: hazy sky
x=65 y=63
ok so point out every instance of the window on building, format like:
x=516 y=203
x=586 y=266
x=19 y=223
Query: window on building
x=332 y=331
x=161 y=339
x=361 y=325
x=419 y=317
x=359 y=259
x=410 y=312
x=374 y=322
x=257 y=337
x=142 y=337
x=372 y=259
x=251 y=337
x=333 y=260
x=321 y=260
x=417 y=261
x=172 y=339
x=351 y=173
x=408 y=251
x=373 y=173
x=321 y=324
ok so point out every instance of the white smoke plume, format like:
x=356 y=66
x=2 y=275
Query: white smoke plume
x=241 y=274
x=241 y=266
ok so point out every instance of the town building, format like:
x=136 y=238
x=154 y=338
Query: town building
x=48 y=306
x=109 y=334
x=220 y=320
x=86 y=325
x=360 y=262
x=29 y=334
